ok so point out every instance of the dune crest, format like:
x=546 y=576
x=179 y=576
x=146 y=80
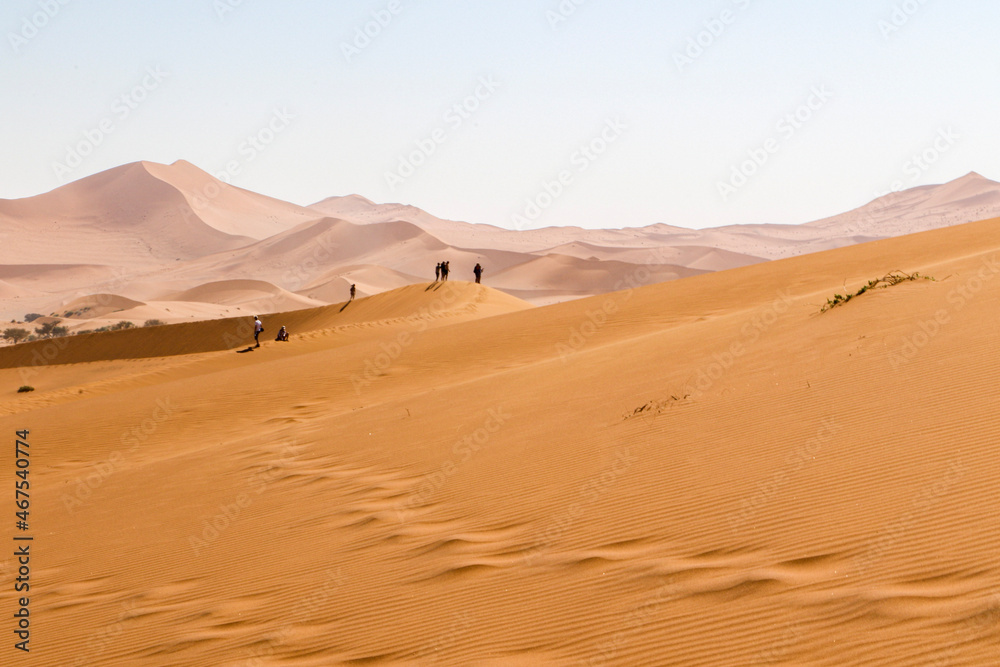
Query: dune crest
x=150 y=232
x=704 y=471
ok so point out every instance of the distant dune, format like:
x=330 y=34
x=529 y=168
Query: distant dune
x=159 y=234
x=705 y=471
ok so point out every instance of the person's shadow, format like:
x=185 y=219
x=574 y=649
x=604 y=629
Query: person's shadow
x=344 y=307
x=249 y=349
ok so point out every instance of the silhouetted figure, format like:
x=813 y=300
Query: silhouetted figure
x=437 y=272
x=479 y=272
x=282 y=334
x=444 y=270
x=258 y=328
x=354 y=291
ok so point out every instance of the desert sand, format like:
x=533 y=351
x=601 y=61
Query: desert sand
x=154 y=234
x=706 y=471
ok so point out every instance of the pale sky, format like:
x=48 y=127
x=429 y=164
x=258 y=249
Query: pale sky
x=600 y=114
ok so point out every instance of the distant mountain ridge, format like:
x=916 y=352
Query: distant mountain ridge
x=180 y=242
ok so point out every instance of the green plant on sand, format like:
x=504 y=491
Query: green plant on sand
x=888 y=280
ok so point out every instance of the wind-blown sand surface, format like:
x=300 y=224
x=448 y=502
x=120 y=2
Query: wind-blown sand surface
x=701 y=472
x=149 y=232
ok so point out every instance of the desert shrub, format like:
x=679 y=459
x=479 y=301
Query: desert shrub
x=25 y=388
x=124 y=324
x=153 y=323
x=31 y=317
x=15 y=334
x=888 y=280
x=50 y=330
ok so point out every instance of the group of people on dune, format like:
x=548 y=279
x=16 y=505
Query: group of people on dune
x=258 y=329
x=442 y=270
x=440 y=273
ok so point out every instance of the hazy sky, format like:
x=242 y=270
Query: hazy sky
x=521 y=113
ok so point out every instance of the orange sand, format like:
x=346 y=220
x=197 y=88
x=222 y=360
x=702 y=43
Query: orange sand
x=701 y=472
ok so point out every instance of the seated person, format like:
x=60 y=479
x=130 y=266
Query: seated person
x=282 y=334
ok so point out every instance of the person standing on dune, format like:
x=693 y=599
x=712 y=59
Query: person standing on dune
x=437 y=272
x=258 y=328
x=479 y=272
x=354 y=290
x=444 y=270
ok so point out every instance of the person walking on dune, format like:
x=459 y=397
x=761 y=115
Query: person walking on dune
x=437 y=272
x=258 y=328
x=354 y=290
x=479 y=272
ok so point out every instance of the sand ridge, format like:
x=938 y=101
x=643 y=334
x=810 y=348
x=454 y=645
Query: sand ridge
x=147 y=231
x=701 y=472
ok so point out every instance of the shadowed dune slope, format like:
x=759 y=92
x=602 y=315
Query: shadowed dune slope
x=453 y=301
x=702 y=472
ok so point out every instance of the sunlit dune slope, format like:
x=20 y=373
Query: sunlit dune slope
x=703 y=472
x=440 y=303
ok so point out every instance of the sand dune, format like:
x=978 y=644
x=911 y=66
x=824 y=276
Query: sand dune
x=147 y=231
x=707 y=471
x=97 y=305
x=421 y=306
x=229 y=209
x=573 y=277
x=335 y=285
x=140 y=221
x=248 y=293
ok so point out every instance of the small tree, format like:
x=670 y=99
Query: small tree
x=31 y=317
x=46 y=329
x=15 y=334
x=153 y=323
x=123 y=324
